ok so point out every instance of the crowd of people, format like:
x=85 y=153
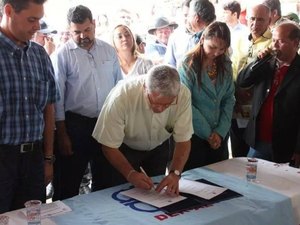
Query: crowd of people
x=121 y=104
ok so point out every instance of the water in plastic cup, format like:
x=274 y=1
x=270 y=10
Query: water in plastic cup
x=251 y=169
x=33 y=211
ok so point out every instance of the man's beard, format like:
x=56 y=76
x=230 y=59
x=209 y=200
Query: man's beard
x=85 y=42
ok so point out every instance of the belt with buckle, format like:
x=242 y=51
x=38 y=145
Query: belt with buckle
x=23 y=148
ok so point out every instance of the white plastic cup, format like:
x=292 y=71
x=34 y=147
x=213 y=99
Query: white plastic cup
x=33 y=212
x=251 y=169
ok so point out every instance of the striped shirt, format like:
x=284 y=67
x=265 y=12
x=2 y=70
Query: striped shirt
x=27 y=85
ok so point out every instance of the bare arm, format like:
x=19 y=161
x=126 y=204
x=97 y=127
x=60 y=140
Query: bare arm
x=64 y=143
x=48 y=140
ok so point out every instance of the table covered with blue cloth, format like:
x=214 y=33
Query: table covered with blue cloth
x=258 y=205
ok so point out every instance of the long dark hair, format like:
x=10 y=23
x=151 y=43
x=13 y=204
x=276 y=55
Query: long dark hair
x=196 y=56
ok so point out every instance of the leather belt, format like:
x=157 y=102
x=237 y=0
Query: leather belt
x=23 y=148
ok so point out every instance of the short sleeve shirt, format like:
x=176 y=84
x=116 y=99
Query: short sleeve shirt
x=127 y=118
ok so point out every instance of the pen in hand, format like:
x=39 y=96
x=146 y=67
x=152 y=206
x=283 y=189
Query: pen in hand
x=144 y=172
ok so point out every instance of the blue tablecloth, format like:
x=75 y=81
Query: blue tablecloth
x=258 y=206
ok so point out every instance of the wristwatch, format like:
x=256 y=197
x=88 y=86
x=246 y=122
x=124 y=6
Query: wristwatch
x=176 y=172
x=50 y=159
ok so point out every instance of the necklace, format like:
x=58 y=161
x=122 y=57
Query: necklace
x=212 y=71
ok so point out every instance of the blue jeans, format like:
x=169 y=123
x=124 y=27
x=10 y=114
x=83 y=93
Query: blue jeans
x=21 y=178
x=263 y=150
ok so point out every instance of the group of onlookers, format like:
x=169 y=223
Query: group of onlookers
x=170 y=104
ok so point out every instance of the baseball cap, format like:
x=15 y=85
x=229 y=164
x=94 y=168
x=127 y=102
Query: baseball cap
x=292 y=16
x=44 y=28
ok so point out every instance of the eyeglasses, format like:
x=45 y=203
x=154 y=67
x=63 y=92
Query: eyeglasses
x=174 y=102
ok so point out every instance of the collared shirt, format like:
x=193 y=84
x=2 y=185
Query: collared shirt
x=247 y=50
x=177 y=47
x=27 y=85
x=127 y=118
x=155 y=50
x=197 y=36
x=85 y=77
x=180 y=46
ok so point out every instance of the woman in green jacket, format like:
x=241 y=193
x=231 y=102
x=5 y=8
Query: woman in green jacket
x=207 y=72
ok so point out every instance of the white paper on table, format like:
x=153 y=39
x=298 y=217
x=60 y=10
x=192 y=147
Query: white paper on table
x=52 y=209
x=152 y=197
x=199 y=189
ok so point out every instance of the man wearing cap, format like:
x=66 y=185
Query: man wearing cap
x=293 y=17
x=43 y=37
x=161 y=30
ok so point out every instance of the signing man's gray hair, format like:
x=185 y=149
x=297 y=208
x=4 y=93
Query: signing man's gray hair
x=163 y=79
